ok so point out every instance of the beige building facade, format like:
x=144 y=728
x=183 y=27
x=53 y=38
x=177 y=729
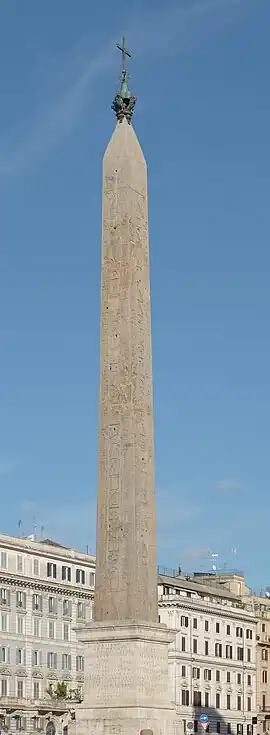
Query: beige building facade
x=213 y=659
x=45 y=591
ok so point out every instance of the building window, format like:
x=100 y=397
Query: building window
x=3 y=560
x=52 y=605
x=4 y=622
x=19 y=563
x=4 y=655
x=249 y=729
x=79 y=663
x=66 y=574
x=20 y=624
x=249 y=704
x=36 y=627
x=239 y=632
x=66 y=662
x=248 y=655
x=197 y=699
x=239 y=702
x=20 y=688
x=229 y=729
x=206 y=699
x=228 y=651
x=92 y=579
x=183 y=643
x=249 y=634
x=218 y=650
x=185 y=697
x=264 y=654
x=195 y=673
x=184 y=621
x=264 y=677
x=67 y=608
x=195 y=623
x=20 y=656
x=218 y=727
x=36 y=567
x=249 y=680
x=228 y=701
x=184 y=671
x=228 y=630
x=66 y=631
x=217 y=700
x=239 y=728
x=206 y=626
x=195 y=645
x=239 y=679
x=240 y=654
x=4 y=597
x=207 y=674
x=228 y=677
x=81 y=610
x=36 y=658
x=37 y=603
x=206 y=648
x=52 y=660
x=80 y=576
x=21 y=599
x=51 y=570
x=263 y=627
x=217 y=675
x=195 y=725
x=51 y=629
x=4 y=689
x=36 y=690
x=217 y=627
x=263 y=702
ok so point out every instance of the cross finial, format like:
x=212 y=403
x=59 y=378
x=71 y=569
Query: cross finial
x=124 y=101
x=125 y=53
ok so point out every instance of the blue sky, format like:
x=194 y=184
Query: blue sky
x=200 y=70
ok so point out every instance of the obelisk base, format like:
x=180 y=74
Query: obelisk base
x=126 y=689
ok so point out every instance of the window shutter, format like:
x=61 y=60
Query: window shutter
x=82 y=663
x=40 y=658
x=55 y=660
x=63 y=661
x=69 y=662
x=48 y=660
x=8 y=597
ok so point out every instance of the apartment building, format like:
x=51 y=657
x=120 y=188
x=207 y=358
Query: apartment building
x=262 y=609
x=213 y=659
x=46 y=590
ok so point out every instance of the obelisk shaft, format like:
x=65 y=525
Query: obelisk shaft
x=126 y=568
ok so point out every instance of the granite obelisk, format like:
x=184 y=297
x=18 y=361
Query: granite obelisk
x=126 y=690
x=126 y=569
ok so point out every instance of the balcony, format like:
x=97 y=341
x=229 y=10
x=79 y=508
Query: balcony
x=39 y=706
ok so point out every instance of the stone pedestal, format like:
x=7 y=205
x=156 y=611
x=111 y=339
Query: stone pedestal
x=126 y=687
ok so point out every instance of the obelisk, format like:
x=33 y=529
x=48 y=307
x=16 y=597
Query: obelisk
x=126 y=566
x=126 y=690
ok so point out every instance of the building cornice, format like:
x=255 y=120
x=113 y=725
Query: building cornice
x=52 y=586
x=199 y=607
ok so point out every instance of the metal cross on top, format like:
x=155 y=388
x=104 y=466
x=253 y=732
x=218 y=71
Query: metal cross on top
x=124 y=53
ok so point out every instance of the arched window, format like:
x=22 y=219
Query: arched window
x=50 y=729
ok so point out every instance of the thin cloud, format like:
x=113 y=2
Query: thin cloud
x=6 y=467
x=67 y=91
x=229 y=485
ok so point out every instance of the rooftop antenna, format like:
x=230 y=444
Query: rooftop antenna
x=34 y=527
x=42 y=532
x=19 y=528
